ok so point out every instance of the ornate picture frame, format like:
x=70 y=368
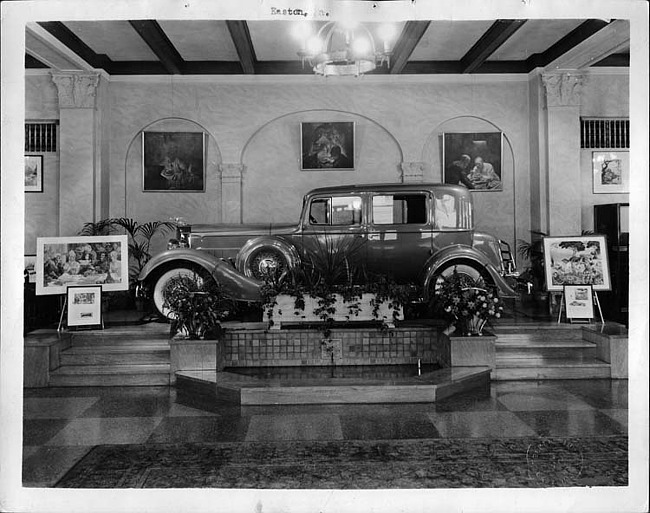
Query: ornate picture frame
x=474 y=160
x=327 y=146
x=84 y=306
x=173 y=162
x=578 y=260
x=33 y=173
x=62 y=262
x=611 y=172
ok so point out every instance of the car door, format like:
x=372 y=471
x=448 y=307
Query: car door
x=334 y=235
x=399 y=233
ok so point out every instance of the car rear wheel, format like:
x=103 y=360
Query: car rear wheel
x=164 y=281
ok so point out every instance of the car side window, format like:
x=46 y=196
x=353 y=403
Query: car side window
x=452 y=212
x=399 y=209
x=335 y=211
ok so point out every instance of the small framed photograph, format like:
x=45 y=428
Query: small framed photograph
x=327 y=146
x=576 y=260
x=611 y=170
x=473 y=160
x=579 y=301
x=84 y=306
x=33 y=173
x=30 y=268
x=173 y=162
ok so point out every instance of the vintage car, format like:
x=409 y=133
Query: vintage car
x=415 y=233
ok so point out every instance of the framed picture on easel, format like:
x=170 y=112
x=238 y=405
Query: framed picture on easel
x=579 y=301
x=84 y=306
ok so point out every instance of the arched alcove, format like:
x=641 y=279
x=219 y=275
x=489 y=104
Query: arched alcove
x=195 y=207
x=273 y=184
x=495 y=211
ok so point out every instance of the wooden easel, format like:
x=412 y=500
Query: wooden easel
x=595 y=300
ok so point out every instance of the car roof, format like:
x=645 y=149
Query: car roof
x=389 y=187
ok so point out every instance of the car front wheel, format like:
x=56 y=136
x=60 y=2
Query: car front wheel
x=164 y=281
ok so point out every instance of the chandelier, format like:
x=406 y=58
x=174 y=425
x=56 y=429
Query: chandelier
x=345 y=49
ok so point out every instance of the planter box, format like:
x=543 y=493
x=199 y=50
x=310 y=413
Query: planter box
x=473 y=351
x=203 y=355
x=285 y=311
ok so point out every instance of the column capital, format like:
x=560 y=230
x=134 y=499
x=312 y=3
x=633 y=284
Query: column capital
x=412 y=172
x=77 y=89
x=563 y=89
x=231 y=172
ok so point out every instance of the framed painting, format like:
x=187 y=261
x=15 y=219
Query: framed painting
x=473 y=160
x=84 y=306
x=62 y=262
x=33 y=173
x=30 y=268
x=579 y=260
x=579 y=301
x=327 y=145
x=173 y=162
x=611 y=172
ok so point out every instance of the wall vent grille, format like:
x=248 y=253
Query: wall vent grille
x=604 y=133
x=41 y=136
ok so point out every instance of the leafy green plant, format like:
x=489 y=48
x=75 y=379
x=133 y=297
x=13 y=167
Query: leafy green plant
x=533 y=252
x=139 y=234
x=197 y=306
x=329 y=270
x=467 y=307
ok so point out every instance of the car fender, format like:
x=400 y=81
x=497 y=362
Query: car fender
x=286 y=249
x=461 y=253
x=235 y=284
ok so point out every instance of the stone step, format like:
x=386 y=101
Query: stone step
x=111 y=375
x=115 y=357
x=539 y=335
x=122 y=335
x=548 y=368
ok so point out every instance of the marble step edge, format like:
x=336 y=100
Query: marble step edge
x=145 y=368
x=542 y=344
x=109 y=380
x=546 y=362
x=121 y=349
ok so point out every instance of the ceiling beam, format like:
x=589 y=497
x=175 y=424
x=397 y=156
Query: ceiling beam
x=494 y=37
x=610 y=39
x=241 y=37
x=153 y=34
x=572 y=39
x=406 y=43
x=70 y=40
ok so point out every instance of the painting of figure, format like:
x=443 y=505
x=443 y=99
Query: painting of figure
x=65 y=261
x=327 y=146
x=473 y=160
x=173 y=161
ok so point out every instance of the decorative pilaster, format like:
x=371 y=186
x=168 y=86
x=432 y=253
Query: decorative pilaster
x=563 y=89
x=231 y=203
x=412 y=172
x=77 y=89
x=78 y=180
x=563 y=96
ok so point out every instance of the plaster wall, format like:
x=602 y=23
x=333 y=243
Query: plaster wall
x=42 y=208
x=256 y=122
x=605 y=93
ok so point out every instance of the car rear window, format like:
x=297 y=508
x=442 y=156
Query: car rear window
x=335 y=211
x=399 y=209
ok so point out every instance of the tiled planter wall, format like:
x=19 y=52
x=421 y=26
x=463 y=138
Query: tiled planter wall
x=359 y=346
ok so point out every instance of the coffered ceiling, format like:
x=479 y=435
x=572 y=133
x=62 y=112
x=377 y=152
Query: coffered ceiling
x=219 y=47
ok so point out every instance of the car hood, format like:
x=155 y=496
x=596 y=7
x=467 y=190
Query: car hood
x=244 y=229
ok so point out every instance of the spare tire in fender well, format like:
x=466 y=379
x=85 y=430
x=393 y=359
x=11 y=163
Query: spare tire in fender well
x=280 y=251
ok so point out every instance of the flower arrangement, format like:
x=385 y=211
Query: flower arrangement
x=467 y=306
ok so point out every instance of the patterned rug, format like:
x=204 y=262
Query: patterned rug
x=358 y=464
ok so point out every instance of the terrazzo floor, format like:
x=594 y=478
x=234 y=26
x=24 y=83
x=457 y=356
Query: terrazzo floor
x=62 y=424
